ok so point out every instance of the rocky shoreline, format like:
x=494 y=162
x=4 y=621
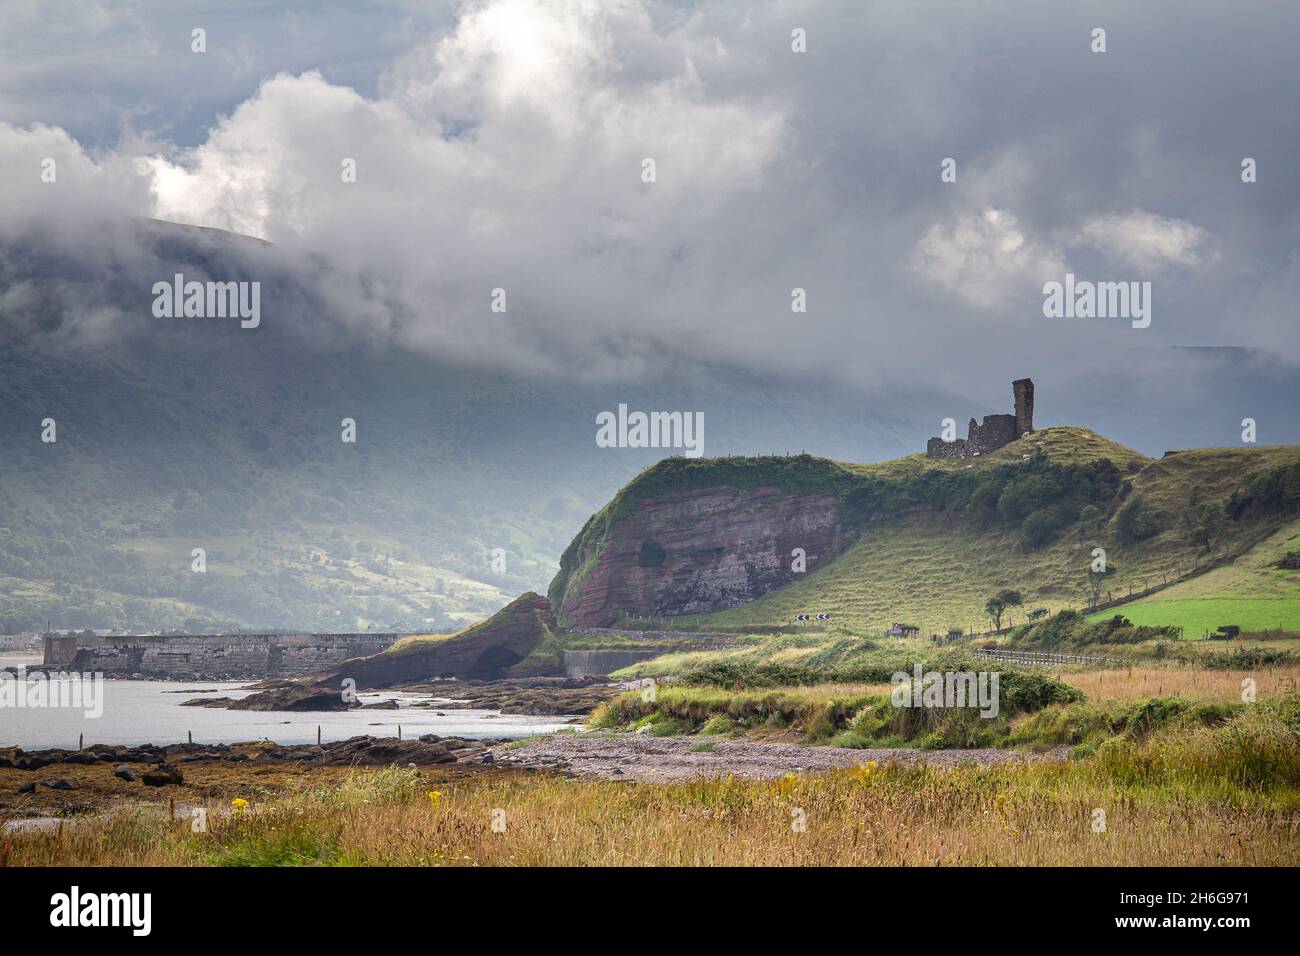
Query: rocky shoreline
x=361 y=751
x=531 y=697
x=54 y=784
x=101 y=777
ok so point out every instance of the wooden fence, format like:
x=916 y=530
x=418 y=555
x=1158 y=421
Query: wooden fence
x=1043 y=657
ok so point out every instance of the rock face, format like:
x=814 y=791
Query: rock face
x=697 y=550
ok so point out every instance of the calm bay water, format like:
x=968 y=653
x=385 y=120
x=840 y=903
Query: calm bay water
x=138 y=712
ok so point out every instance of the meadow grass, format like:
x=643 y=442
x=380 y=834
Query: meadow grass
x=1222 y=686
x=1199 y=616
x=1221 y=795
x=1106 y=703
x=1251 y=592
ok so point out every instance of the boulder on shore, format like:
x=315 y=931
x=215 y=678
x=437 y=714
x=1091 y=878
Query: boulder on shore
x=162 y=776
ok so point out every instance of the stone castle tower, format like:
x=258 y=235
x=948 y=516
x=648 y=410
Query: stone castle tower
x=996 y=431
x=1023 y=388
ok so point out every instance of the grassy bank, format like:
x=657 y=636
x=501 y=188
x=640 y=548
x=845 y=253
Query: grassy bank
x=1074 y=706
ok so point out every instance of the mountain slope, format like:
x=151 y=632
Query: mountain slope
x=193 y=433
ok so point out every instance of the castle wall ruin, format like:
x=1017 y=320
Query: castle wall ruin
x=995 y=431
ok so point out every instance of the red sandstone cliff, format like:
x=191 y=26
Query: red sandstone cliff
x=696 y=550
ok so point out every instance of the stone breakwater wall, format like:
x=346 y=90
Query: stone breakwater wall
x=602 y=663
x=233 y=656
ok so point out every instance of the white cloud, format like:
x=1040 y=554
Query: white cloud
x=505 y=154
x=988 y=258
x=83 y=183
x=985 y=258
x=1147 y=240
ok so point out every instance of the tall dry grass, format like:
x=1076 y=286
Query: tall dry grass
x=1221 y=795
x=886 y=816
x=1219 y=686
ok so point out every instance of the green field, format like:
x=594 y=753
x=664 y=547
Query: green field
x=1196 y=616
x=1251 y=593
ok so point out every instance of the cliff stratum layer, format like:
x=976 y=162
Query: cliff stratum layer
x=692 y=537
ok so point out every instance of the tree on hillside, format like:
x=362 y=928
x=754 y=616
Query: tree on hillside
x=1206 y=526
x=1096 y=581
x=999 y=604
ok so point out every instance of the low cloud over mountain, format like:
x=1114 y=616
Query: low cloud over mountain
x=500 y=144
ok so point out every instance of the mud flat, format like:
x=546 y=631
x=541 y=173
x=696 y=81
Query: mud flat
x=641 y=758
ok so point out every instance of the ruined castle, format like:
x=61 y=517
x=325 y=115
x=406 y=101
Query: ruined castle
x=997 y=430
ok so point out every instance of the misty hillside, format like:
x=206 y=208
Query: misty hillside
x=175 y=434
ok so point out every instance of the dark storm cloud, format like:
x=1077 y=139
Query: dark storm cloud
x=502 y=147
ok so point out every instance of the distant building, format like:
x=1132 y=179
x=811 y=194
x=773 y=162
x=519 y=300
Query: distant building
x=18 y=642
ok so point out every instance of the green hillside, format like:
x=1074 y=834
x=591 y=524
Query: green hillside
x=939 y=538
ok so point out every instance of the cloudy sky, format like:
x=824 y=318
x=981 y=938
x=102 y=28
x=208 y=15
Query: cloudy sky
x=500 y=143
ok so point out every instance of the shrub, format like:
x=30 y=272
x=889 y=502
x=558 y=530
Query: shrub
x=663 y=726
x=1072 y=628
x=718 y=724
x=1246 y=658
x=739 y=675
x=1135 y=523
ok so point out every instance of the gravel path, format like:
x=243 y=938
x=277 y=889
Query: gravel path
x=670 y=759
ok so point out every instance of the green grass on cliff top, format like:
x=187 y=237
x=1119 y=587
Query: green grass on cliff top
x=1066 y=445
